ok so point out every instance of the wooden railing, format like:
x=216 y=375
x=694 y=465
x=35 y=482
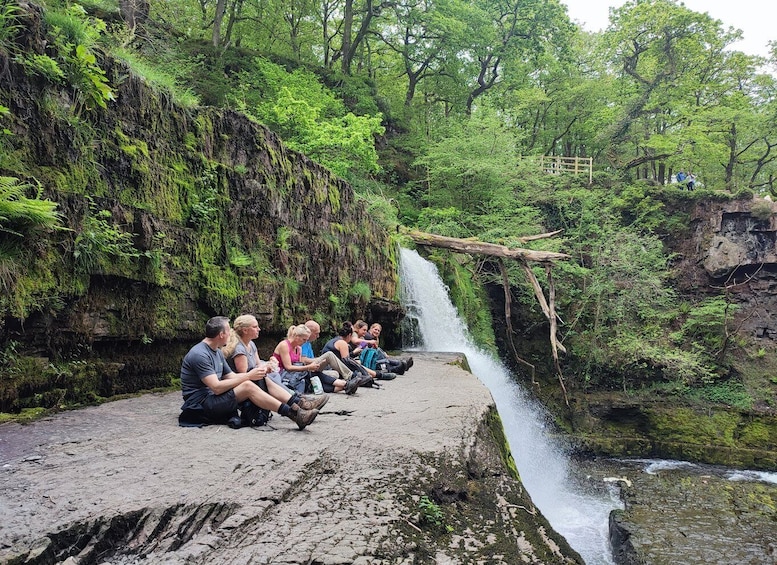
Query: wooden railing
x=555 y=164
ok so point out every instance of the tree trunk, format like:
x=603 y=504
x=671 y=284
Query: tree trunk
x=134 y=12
x=345 y=49
x=221 y=7
x=483 y=248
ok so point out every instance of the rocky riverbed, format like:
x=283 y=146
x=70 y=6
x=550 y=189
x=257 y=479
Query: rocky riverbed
x=415 y=472
x=679 y=512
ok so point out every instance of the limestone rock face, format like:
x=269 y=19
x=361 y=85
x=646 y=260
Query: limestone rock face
x=738 y=240
x=392 y=476
x=734 y=243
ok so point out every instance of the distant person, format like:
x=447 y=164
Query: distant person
x=343 y=345
x=368 y=339
x=681 y=176
x=212 y=391
x=690 y=181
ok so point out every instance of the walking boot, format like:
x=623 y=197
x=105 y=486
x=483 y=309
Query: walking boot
x=311 y=401
x=352 y=384
x=385 y=376
x=409 y=362
x=303 y=417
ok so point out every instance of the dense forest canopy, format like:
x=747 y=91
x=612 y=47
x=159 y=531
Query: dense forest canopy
x=658 y=91
x=435 y=111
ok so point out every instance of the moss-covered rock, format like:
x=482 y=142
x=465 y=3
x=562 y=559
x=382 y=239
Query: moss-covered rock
x=173 y=215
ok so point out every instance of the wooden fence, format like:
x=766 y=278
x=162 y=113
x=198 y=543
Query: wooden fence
x=554 y=164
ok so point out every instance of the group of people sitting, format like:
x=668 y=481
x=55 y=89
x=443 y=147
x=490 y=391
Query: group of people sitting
x=223 y=379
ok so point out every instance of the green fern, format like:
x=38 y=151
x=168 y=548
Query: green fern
x=9 y=26
x=19 y=214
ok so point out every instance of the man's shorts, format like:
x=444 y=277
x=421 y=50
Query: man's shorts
x=220 y=407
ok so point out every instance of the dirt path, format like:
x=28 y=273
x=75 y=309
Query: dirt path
x=121 y=481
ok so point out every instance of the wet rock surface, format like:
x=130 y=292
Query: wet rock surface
x=123 y=483
x=692 y=514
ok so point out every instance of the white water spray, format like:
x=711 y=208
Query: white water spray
x=582 y=518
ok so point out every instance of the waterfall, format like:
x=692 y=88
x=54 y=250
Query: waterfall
x=434 y=325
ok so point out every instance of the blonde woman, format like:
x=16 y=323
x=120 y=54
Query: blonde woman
x=296 y=372
x=242 y=356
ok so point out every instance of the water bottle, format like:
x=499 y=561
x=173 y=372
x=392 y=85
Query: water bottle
x=315 y=382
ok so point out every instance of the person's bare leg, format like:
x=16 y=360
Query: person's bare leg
x=277 y=391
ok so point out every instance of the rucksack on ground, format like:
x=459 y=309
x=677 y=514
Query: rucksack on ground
x=369 y=358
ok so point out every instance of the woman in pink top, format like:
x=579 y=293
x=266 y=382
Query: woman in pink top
x=296 y=374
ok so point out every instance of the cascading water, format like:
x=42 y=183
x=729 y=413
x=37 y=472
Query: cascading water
x=581 y=517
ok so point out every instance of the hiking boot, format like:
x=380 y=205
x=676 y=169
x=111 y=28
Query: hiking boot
x=311 y=401
x=303 y=417
x=352 y=384
x=409 y=362
x=385 y=376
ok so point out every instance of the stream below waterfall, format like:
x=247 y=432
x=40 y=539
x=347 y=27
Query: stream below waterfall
x=675 y=512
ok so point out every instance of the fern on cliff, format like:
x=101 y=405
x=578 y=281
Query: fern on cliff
x=19 y=215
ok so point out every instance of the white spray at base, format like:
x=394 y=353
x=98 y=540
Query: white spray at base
x=544 y=467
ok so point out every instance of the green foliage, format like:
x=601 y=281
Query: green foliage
x=24 y=218
x=238 y=258
x=310 y=118
x=43 y=66
x=101 y=246
x=432 y=514
x=361 y=292
x=380 y=206
x=205 y=200
x=487 y=171
x=9 y=26
x=160 y=76
x=443 y=221
x=20 y=215
x=640 y=207
x=358 y=94
x=729 y=393
x=74 y=36
x=705 y=323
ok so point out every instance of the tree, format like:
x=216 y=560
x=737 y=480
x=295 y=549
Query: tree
x=364 y=19
x=418 y=35
x=670 y=59
x=499 y=30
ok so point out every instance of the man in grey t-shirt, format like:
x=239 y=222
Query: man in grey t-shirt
x=212 y=392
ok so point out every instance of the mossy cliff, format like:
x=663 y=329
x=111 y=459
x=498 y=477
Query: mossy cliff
x=173 y=215
x=728 y=244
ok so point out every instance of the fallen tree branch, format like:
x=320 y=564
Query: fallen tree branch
x=555 y=345
x=474 y=246
x=509 y=322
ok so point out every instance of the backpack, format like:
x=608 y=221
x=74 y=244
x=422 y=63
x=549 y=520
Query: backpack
x=369 y=357
x=252 y=415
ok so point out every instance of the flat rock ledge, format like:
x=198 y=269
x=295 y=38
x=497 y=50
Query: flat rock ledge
x=415 y=472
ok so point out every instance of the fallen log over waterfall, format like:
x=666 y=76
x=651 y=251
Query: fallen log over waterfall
x=523 y=256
